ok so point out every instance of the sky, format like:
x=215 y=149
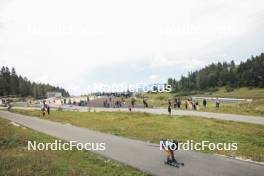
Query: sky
x=75 y=44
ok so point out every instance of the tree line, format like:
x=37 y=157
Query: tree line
x=13 y=84
x=246 y=74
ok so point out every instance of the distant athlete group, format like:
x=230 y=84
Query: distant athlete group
x=190 y=104
x=175 y=103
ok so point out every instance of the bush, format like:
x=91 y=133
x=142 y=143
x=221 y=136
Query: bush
x=213 y=89
x=229 y=89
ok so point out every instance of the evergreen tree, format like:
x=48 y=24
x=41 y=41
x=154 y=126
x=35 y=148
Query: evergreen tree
x=13 y=84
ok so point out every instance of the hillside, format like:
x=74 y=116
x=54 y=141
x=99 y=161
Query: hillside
x=246 y=74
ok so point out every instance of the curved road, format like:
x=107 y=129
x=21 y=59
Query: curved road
x=222 y=116
x=142 y=155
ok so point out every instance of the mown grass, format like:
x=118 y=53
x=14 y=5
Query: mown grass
x=15 y=159
x=244 y=92
x=149 y=127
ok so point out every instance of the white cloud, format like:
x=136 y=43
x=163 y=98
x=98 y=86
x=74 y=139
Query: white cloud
x=71 y=43
x=153 y=77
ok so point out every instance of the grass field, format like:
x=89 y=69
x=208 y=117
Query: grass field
x=149 y=127
x=256 y=107
x=247 y=93
x=15 y=159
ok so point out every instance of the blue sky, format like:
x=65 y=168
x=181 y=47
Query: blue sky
x=75 y=44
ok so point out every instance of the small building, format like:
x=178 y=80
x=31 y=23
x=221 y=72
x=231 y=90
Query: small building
x=54 y=95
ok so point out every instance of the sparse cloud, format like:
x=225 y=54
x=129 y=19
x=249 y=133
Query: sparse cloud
x=76 y=43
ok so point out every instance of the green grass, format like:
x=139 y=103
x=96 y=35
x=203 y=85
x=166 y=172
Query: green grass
x=247 y=93
x=15 y=159
x=149 y=127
